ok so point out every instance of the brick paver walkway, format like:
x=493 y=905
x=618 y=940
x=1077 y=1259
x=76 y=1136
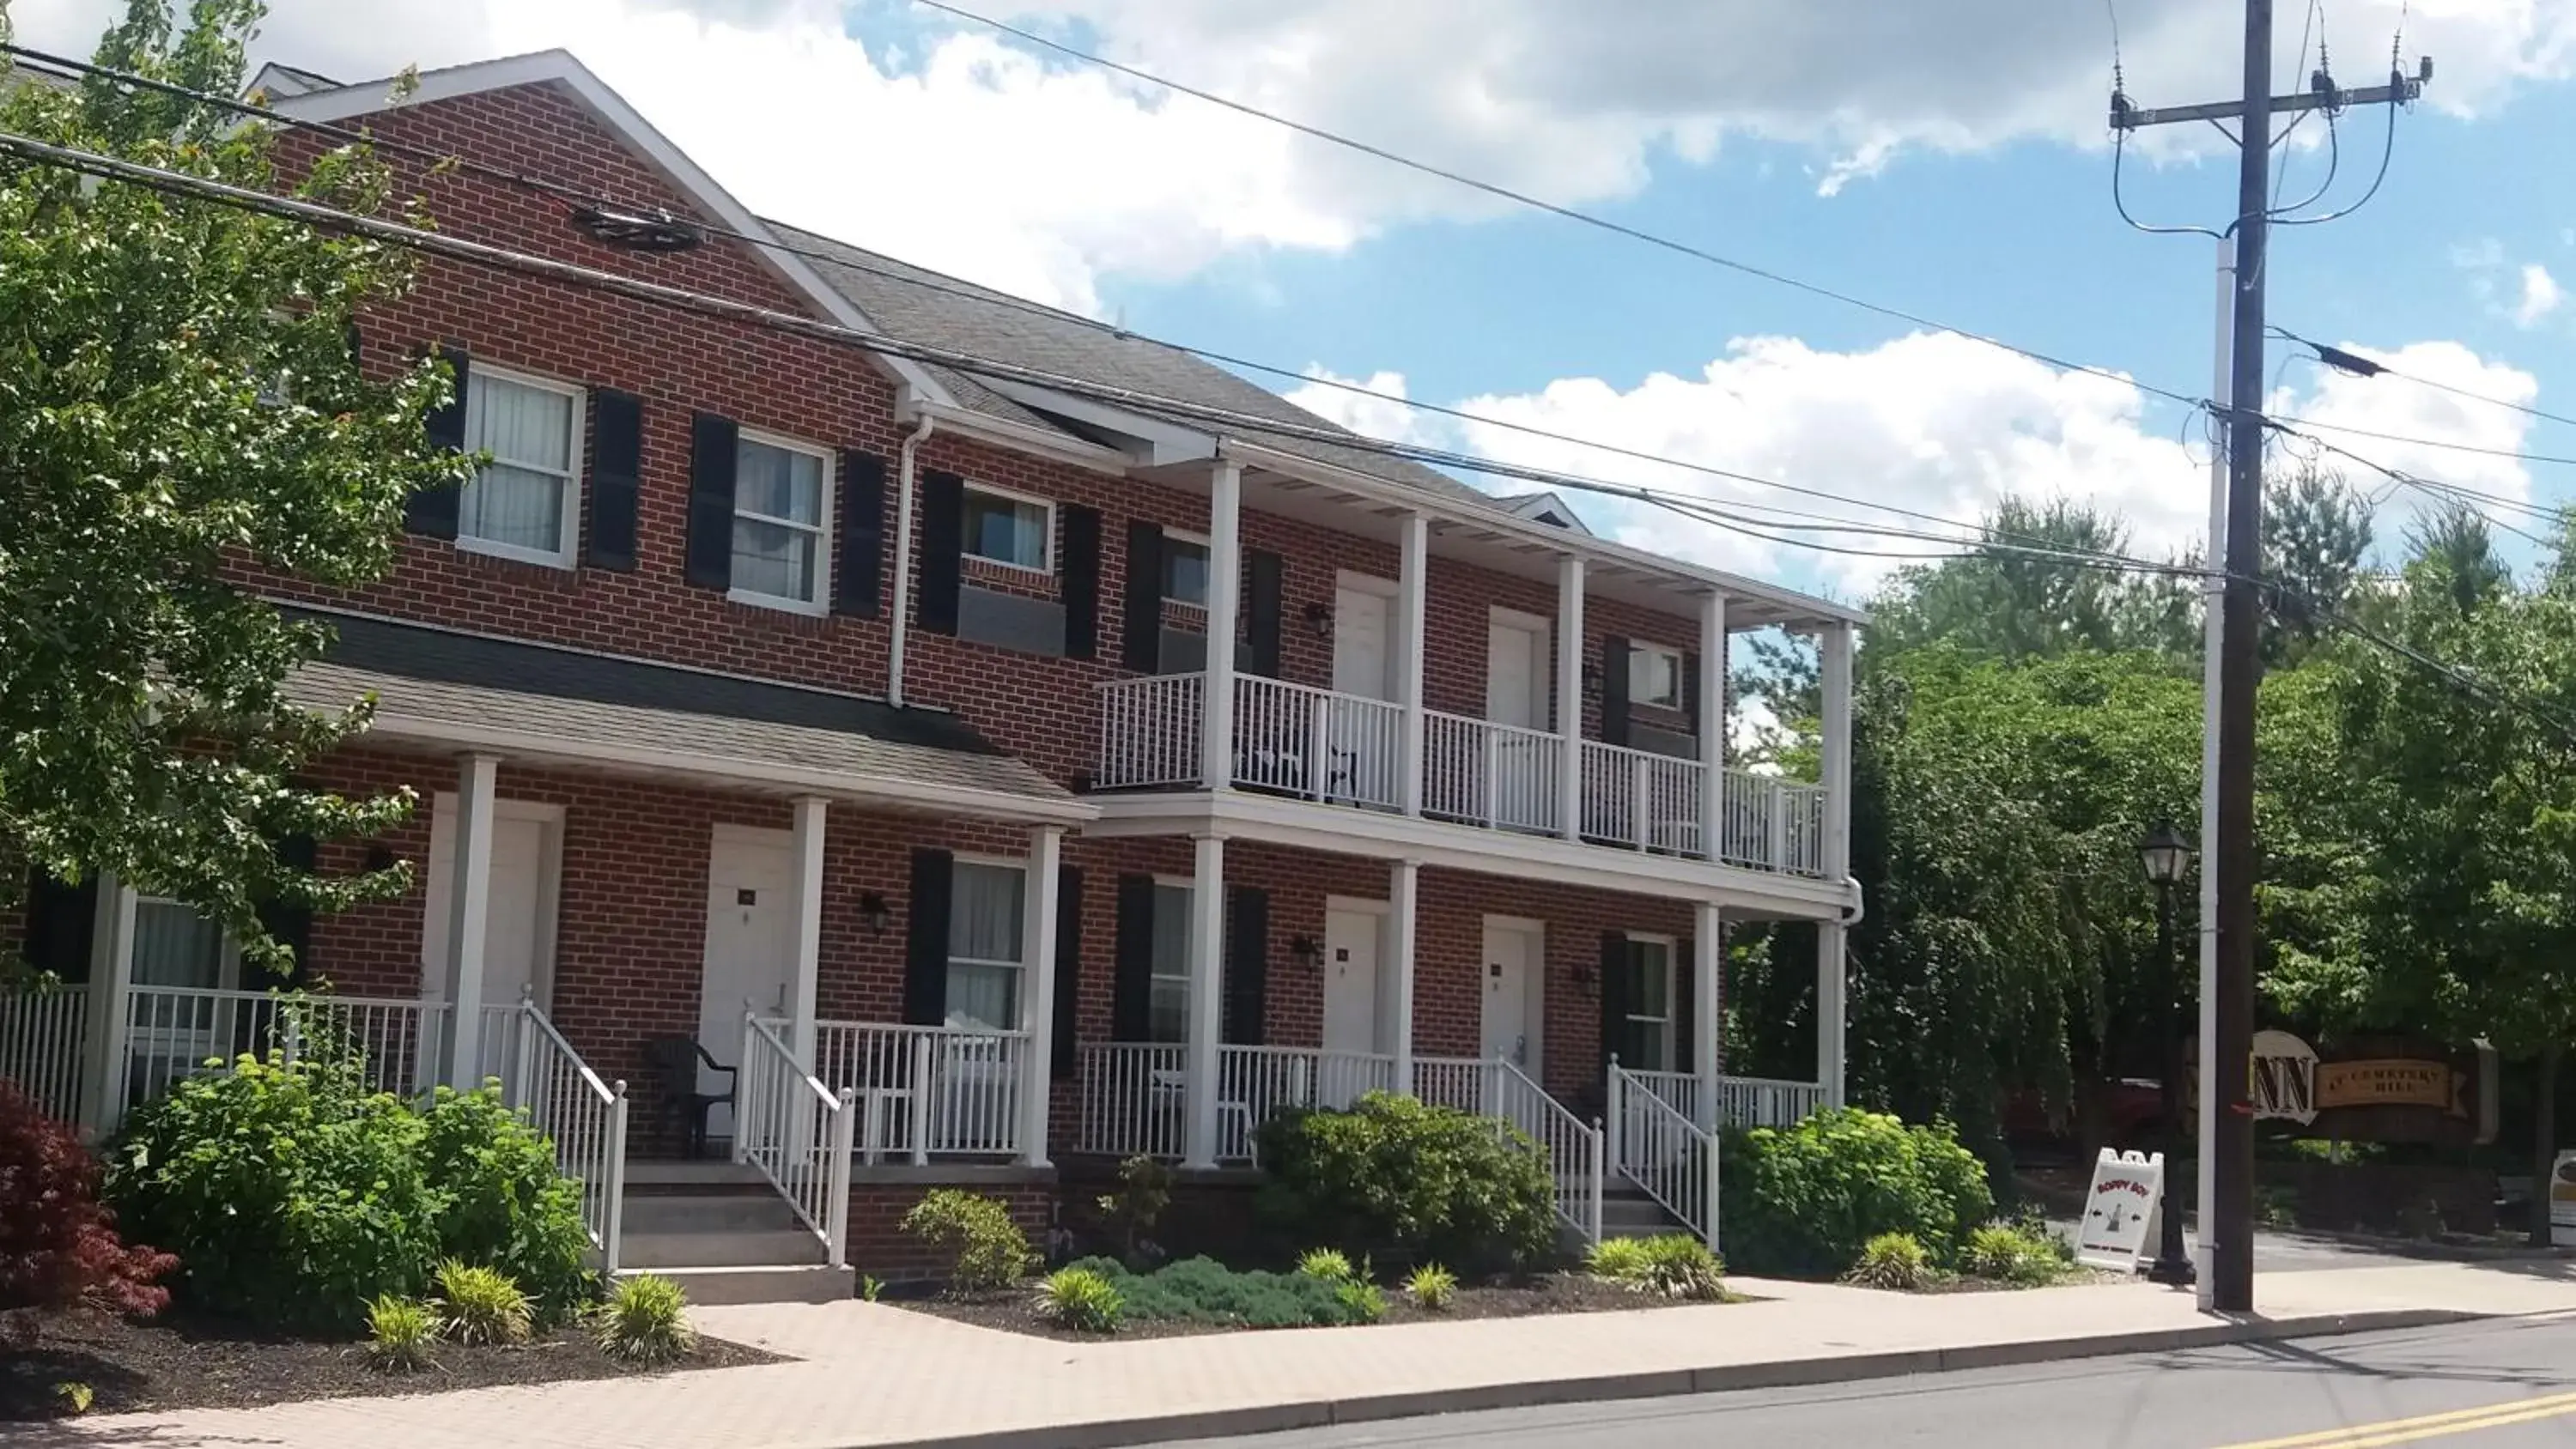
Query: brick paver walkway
x=868 y=1374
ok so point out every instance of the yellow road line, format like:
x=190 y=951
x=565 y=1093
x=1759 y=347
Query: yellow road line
x=2428 y=1426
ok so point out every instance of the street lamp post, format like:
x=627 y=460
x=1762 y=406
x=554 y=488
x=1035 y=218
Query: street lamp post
x=2167 y=857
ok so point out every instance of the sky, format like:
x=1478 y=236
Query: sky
x=1946 y=158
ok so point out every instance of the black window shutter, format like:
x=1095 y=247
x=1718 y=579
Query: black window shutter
x=1690 y=688
x=432 y=511
x=712 y=444
x=925 y=961
x=943 y=547
x=1131 y=994
x=1142 y=645
x=616 y=477
x=862 y=526
x=1614 y=999
x=1266 y=574
x=1614 y=691
x=1685 y=994
x=291 y=926
x=1247 y=963
x=1080 y=569
x=61 y=920
x=1068 y=971
x=349 y=336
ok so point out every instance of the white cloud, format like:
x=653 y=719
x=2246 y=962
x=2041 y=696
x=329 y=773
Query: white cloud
x=2541 y=296
x=2369 y=415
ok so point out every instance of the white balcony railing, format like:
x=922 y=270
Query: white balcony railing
x=1319 y=744
x=1763 y=1102
x=1465 y=1083
x=44 y=1038
x=926 y=1091
x=1130 y=1096
x=173 y=1033
x=1257 y=1083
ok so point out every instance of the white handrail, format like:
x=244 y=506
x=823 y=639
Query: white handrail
x=797 y=1132
x=584 y=1116
x=1573 y=1147
x=1663 y=1152
x=43 y=1042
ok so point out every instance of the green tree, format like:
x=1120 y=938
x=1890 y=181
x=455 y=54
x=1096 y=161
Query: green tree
x=180 y=414
x=2316 y=534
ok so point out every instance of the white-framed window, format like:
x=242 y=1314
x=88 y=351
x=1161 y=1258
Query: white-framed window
x=176 y=947
x=1649 y=1044
x=1185 y=568
x=1168 y=992
x=526 y=502
x=1655 y=676
x=987 y=912
x=1010 y=529
x=782 y=518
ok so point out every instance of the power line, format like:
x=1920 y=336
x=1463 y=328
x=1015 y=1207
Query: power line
x=2346 y=361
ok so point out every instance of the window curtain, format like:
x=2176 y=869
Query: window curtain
x=517 y=499
x=174 y=946
x=984 y=946
x=1171 y=985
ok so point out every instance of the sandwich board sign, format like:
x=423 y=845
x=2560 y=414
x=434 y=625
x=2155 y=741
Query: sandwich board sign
x=2120 y=1211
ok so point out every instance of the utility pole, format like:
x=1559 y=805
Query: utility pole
x=2226 y=1113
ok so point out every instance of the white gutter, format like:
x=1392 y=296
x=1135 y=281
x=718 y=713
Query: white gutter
x=903 y=559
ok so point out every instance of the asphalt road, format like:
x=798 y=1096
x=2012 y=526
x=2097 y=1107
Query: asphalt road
x=2507 y=1385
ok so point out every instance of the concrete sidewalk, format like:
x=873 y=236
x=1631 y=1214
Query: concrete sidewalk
x=873 y=1375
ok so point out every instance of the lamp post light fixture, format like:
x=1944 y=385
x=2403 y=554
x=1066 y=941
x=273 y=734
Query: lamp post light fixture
x=2167 y=858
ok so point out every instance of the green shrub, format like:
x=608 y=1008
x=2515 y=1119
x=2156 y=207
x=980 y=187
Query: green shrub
x=1668 y=1265
x=291 y=1194
x=1144 y=1190
x=1432 y=1287
x=1080 y=1299
x=400 y=1332
x=1329 y=1264
x=508 y=1206
x=482 y=1305
x=989 y=1249
x=1407 y=1182
x=1619 y=1260
x=1202 y=1290
x=1360 y=1301
x=1893 y=1260
x=2011 y=1253
x=1801 y=1201
x=645 y=1321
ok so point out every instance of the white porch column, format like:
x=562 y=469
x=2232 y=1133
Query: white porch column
x=1835 y=657
x=1404 y=894
x=1708 y=986
x=111 y=979
x=1415 y=583
x=1569 y=695
x=1712 y=725
x=1037 y=997
x=1224 y=599
x=1830 y=980
x=805 y=958
x=469 y=901
x=1207 y=1005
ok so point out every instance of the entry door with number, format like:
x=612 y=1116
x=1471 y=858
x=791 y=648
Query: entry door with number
x=750 y=939
x=1350 y=1004
x=1357 y=756
x=1513 y=965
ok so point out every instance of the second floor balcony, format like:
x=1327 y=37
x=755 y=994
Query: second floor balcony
x=1334 y=748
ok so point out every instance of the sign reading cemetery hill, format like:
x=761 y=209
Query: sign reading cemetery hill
x=2373 y=1089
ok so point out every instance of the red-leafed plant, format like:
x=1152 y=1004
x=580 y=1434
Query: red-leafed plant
x=58 y=1243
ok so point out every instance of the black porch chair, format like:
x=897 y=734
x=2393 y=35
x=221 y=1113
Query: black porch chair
x=674 y=1063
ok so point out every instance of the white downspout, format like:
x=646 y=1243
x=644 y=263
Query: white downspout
x=903 y=559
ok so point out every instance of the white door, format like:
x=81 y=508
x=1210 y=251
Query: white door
x=1350 y=1003
x=516 y=912
x=1514 y=965
x=751 y=921
x=1523 y=791
x=1357 y=758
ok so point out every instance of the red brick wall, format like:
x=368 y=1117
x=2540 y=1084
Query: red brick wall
x=880 y=1249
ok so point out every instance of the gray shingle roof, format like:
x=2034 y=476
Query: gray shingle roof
x=966 y=318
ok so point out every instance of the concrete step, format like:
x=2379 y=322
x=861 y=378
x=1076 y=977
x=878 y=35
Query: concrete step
x=708 y=1212
x=800 y=1283
x=653 y=1175
x=772 y=1248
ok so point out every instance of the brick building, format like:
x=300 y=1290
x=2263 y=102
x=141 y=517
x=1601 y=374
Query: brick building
x=764 y=675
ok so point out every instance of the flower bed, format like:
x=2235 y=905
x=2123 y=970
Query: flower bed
x=1013 y=1310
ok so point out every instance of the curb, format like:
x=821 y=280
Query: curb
x=1665 y=1383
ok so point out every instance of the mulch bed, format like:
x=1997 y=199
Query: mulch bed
x=1553 y=1293
x=176 y=1363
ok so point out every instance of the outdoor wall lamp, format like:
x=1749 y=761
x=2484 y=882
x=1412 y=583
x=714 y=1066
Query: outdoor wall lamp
x=1306 y=952
x=872 y=910
x=1587 y=981
x=1319 y=619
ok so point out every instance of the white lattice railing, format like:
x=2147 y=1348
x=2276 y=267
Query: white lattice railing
x=1573 y=1146
x=926 y=1091
x=1763 y=1102
x=1299 y=740
x=1654 y=1146
x=582 y=1115
x=44 y=1041
x=1149 y=730
x=1129 y=1096
x=797 y=1132
x=1502 y=777
x=173 y=1032
x=1460 y=1082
